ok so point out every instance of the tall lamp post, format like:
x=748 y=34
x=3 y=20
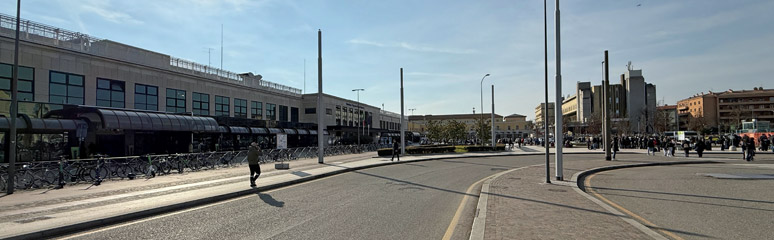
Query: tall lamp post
x=359 y=116
x=482 y=108
x=545 y=111
x=14 y=107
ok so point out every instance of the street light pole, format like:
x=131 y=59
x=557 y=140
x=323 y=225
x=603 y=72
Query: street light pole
x=606 y=111
x=320 y=123
x=493 y=132
x=359 y=116
x=558 y=131
x=402 y=125
x=481 y=124
x=545 y=111
x=14 y=106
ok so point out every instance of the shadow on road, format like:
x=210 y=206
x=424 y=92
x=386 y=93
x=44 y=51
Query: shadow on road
x=270 y=200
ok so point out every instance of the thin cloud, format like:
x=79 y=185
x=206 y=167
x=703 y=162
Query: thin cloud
x=411 y=47
x=113 y=16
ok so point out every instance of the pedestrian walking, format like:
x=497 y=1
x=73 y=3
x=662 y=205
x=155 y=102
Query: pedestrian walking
x=672 y=146
x=700 y=147
x=744 y=146
x=395 y=150
x=615 y=146
x=686 y=146
x=651 y=147
x=252 y=159
x=750 y=149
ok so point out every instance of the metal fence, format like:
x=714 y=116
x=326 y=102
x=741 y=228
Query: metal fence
x=46 y=174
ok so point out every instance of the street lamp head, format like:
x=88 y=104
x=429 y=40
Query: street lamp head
x=359 y=89
x=487 y=75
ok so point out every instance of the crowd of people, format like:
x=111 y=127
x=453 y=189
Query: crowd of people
x=668 y=145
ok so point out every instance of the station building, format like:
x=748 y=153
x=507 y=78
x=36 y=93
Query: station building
x=82 y=95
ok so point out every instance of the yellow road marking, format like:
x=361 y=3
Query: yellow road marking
x=456 y=218
x=622 y=209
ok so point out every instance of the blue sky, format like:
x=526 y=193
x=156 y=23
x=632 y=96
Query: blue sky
x=445 y=47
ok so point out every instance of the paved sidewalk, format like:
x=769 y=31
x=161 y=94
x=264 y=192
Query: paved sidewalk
x=521 y=206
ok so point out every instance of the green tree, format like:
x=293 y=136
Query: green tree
x=435 y=130
x=455 y=131
x=484 y=130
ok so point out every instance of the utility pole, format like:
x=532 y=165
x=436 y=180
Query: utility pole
x=545 y=111
x=14 y=106
x=402 y=126
x=221 y=46
x=605 y=110
x=359 y=116
x=558 y=133
x=320 y=123
x=304 y=75
x=493 y=128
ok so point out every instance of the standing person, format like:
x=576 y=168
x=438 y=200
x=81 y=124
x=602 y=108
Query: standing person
x=750 y=149
x=672 y=146
x=686 y=146
x=651 y=147
x=395 y=150
x=700 y=147
x=615 y=146
x=744 y=146
x=253 y=162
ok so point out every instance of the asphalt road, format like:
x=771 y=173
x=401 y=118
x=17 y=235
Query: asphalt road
x=680 y=202
x=405 y=201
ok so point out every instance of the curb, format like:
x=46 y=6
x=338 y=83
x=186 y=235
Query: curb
x=64 y=230
x=479 y=221
x=580 y=189
x=68 y=229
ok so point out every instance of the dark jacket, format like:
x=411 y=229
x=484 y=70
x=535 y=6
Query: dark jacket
x=395 y=146
x=252 y=155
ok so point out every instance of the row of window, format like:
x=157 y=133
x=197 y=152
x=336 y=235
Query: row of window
x=66 y=88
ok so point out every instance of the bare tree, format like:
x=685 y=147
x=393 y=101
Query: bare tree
x=595 y=123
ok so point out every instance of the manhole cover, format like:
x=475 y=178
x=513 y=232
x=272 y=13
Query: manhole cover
x=557 y=190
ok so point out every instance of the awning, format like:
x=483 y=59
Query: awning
x=275 y=130
x=416 y=134
x=325 y=132
x=290 y=131
x=313 y=132
x=256 y=130
x=43 y=125
x=149 y=121
x=222 y=129
x=303 y=132
x=239 y=130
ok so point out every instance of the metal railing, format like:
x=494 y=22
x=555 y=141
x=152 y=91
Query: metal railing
x=46 y=174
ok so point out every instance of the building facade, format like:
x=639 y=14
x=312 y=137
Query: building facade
x=511 y=126
x=120 y=90
x=541 y=117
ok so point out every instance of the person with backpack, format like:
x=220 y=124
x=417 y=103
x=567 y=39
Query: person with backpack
x=651 y=147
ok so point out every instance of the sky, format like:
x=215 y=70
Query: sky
x=445 y=47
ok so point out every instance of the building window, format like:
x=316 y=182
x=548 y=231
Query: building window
x=256 y=110
x=65 y=88
x=517 y=127
x=271 y=111
x=283 y=113
x=310 y=110
x=240 y=108
x=222 y=106
x=110 y=93
x=338 y=116
x=201 y=104
x=175 y=100
x=25 y=84
x=293 y=114
x=146 y=97
x=328 y=111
